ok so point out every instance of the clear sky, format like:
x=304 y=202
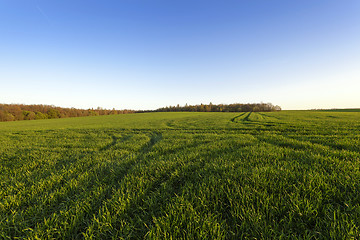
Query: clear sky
x=145 y=54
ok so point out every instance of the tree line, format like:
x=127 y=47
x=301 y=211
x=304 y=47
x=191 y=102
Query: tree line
x=235 y=107
x=14 y=112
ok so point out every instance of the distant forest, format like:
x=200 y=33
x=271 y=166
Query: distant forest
x=236 y=107
x=13 y=112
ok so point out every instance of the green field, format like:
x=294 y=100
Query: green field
x=343 y=110
x=289 y=175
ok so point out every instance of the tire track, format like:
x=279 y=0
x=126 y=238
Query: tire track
x=115 y=140
x=236 y=117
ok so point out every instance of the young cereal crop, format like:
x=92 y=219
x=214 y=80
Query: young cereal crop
x=289 y=174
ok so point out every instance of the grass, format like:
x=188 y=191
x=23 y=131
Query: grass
x=289 y=174
x=343 y=110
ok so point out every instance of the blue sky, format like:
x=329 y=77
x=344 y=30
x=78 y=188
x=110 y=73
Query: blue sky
x=145 y=54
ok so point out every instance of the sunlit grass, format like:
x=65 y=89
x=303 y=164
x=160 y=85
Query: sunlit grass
x=289 y=174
